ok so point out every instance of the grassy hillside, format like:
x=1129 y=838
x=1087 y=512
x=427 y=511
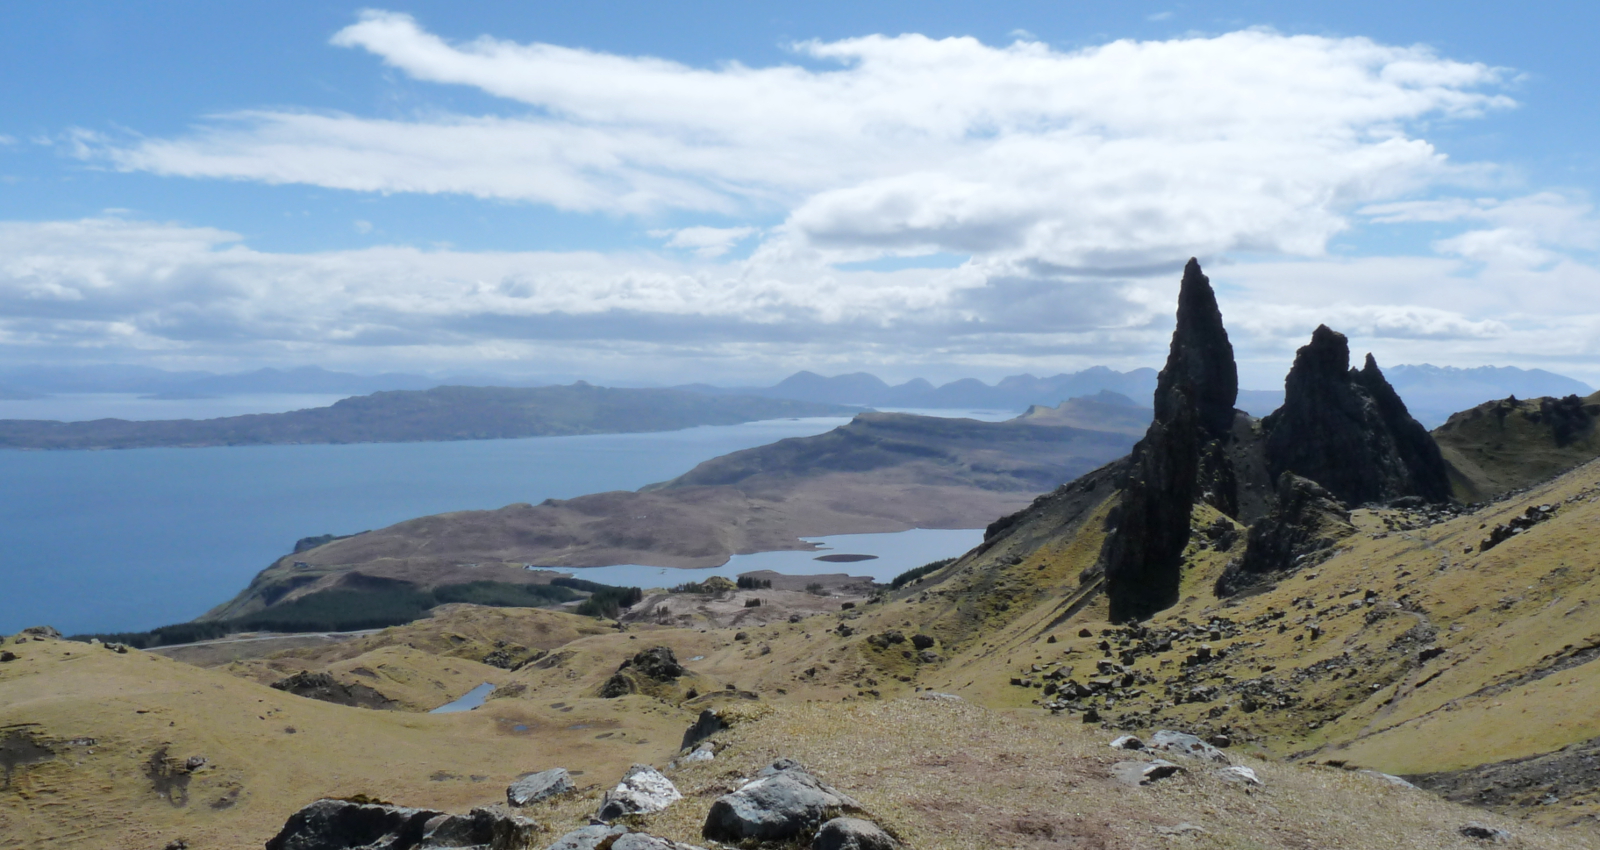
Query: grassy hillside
x=1505 y=445
x=442 y=413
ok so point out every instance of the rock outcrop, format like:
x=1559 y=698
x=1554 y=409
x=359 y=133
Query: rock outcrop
x=377 y=826
x=1183 y=458
x=1305 y=522
x=322 y=686
x=1348 y=430
x=654 y=665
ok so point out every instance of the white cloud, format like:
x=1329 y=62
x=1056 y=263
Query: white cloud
x=1123 y=154
x=135 y=290
x=7 y=141
x=1158 y=16
x=362 y=226
x=706 y=242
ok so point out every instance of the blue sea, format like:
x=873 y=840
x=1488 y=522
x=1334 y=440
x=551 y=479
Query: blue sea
x=127 y=540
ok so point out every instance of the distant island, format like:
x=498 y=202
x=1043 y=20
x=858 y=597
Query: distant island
x=441 y=413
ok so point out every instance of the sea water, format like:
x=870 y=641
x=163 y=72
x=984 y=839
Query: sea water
x=127 y=540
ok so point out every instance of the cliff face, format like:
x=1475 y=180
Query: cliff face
x=1348 y=430
x=1182 y=458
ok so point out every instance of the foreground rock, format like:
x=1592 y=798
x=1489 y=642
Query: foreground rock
x=1138 y=773
x=539 y=786
x=852 y=834
x=604 y=837
x=643 y=790
x=346 y=825
x=783 y=803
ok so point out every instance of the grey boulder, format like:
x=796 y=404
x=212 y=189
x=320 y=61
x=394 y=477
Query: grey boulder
x=1184 y=744
x=614 y=838
x=782 y=803
x=852 y=834
x=643 y=790
x=534 y=787
x=369 y=826
x=1143 y=772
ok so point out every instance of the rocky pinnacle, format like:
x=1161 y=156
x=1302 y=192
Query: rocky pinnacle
x=1348 y=430
x=1194 y=415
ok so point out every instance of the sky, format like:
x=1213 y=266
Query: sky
x=730 y=192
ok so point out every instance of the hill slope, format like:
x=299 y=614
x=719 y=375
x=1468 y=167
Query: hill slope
x=1509 y=444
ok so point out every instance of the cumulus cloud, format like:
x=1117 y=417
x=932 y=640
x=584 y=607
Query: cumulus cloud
x=1123 y=154
x=1075 y=181
x=132 y=288
x=705 y=241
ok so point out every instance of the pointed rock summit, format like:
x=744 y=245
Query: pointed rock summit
x=1348 y=430
x=1182 y=458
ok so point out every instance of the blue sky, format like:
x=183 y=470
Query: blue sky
x=731 y=192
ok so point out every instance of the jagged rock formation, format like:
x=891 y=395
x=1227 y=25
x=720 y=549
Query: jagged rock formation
x=1348 y=430
x=1182 y=459
x=1306 y=521
x=1342 y=435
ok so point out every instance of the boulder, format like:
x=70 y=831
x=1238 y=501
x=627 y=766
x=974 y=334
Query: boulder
x=1240 y=774
x=707 y=724
x=343 y=824
x=922 y=641
x=349 y=825
x=657 y=662
x=1144 y=772
x=589 y=837
x=480 y=829
x=1482 y=832
x=782 y=803
x=643 y=790
x=852 y=834
x=1184 y=744
x=543 y=785
x=1127 y=742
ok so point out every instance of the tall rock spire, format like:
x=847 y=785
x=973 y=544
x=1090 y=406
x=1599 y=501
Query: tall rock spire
x=1180 y=459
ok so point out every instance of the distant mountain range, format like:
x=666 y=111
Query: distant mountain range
x=1431 y=392
x=1017 y=392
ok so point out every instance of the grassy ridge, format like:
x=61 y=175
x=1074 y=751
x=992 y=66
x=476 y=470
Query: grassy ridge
x=345 y=610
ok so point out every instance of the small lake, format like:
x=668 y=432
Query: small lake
x=127 y=540
x=894 y=554
x=467 y=701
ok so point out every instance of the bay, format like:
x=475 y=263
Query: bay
x=127 y=540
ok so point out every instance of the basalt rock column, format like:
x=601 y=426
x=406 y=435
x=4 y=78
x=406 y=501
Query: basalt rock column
x=1348 y=430
x=1179 y=461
